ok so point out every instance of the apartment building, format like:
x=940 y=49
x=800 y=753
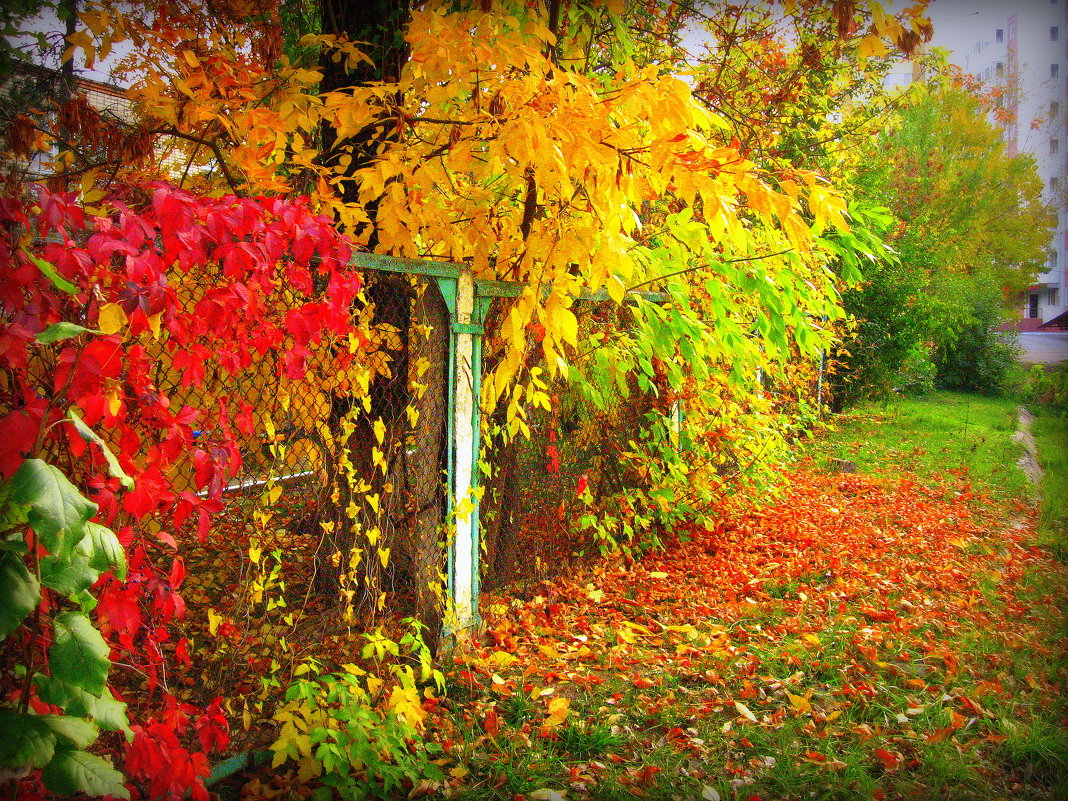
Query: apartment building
x=1024 y=52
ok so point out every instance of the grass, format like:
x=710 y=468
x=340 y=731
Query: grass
x=1050 y=430
x=937 y=434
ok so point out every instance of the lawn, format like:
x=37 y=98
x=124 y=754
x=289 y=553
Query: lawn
x=946 y=433
x=890 y=633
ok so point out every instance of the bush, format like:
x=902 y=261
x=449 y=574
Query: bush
x=975 y=356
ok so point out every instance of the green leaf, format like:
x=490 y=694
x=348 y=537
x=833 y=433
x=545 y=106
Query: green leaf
x=91 y=436
x=73 y=732
x=57 y=332
x=72 y=771
x=105 y=710
x=58 y=512
x=68 y=576
x=103 y=549
x=49 y=272
x=27 y=741
x=19 y=592
x=79 y=655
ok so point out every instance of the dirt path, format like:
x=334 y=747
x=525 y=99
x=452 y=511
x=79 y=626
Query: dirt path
x=1028 y=461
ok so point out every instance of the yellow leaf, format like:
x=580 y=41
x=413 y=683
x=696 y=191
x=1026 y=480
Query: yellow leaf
x=114 y=401
x=558 y=711
x=871 y=46
x=214 y=619
x=154 y=323
x=111 y=319
x=565 y=321
x=191 y=58
x=811 y=638
x=309 y=768
x=380 y=431
x=799 y=703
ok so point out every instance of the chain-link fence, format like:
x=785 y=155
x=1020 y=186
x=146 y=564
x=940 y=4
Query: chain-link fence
x=531 y=507
x=338 y=487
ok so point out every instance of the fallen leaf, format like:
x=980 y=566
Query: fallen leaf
x=558 y=710
x=743 y=710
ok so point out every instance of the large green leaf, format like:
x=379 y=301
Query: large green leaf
x=72 y=732
x=103 y=549
x=19 y=591
x=27 y=741
x=68 y=575
x=57 y=332
x=105 y=710
x=72 y=771
x=89 y=435
x=79 y=655
x=50 y=272
x=58 y=512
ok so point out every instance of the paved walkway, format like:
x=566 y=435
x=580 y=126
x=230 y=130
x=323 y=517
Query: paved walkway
x=1044 y=347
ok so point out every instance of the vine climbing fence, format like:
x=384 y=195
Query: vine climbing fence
x=350 y=480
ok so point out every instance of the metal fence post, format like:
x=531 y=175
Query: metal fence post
x=464 y=550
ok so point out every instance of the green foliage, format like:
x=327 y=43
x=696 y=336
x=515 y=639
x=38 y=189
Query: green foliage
x=41 y=497
x=971 y=230
x=336 y=728
x=975 y=355
x=1047 y=386
x=889 y=309
x=359 y=734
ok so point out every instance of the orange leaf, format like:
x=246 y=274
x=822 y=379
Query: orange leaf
x=941 y=735
x=558 y=709
x=491 y=722
x=890 y=760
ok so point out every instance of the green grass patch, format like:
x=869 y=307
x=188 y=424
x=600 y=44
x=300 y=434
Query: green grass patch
x=970 y=435
x=1050 y=430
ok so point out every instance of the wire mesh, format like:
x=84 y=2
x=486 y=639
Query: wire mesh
x=530 y=508
x=338 y=486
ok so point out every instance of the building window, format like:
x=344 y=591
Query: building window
x=1054 y=184
x=1054 y=70
x=1052 y=261
x=999 y=35
x=999 y=68
x=1054 y=34
x=1032 y=307
x=1052 y=299
x=1054 y=146
x=1054 y=110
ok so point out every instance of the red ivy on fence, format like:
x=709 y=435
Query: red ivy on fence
x=270 y=277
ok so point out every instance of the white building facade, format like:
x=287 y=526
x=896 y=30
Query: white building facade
x=1024 y=53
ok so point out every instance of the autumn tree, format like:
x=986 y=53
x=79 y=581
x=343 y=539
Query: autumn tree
x=970 y=231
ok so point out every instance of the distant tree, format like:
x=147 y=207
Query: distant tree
x=971 y=231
